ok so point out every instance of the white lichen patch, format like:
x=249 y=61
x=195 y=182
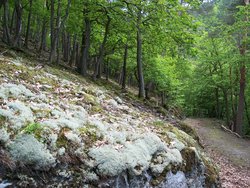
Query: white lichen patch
x=72 y=137
x=17 y=114
x=163 y=159
x=134 y=156
x=4 y=136
x=28 y=150
x=12 y=90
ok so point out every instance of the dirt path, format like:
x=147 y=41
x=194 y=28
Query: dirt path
x=229 y=152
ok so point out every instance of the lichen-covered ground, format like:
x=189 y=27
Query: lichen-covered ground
x=231 y=153
x=59 y=129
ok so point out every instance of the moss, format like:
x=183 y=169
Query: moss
x=90 y=99
x=89 y=135
x=96 y=109
x=32 y=128
x=187 y=129
x=48 y=81
x=159 y=123
x=62 y=141
x=42 y=112
x=2 y=120
x=211 y=173
x=189 y=158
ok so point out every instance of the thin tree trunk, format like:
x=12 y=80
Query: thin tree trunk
x=52 y=34
x=107 y=70
x=73 y=53
x=226 y=106
x=43 y=37
x=139 y=57
x=240 y=111
x=28 y=26
x=97 y=73
x=6 y=31
x=13 y=16
x=124 y=68
x=217 y=110
x=18 y=28
x=56 y=33
x=85 y=46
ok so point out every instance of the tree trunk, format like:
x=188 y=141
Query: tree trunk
x=13 y=16
x=217 y=110
x=18 y=27
x=226 y=106
x=43 y=36
x=124 y=67
x=97 y=73
x=68 y=47
x=139 y=57
x=107 y=70
x=85 y=46
x=241 y=103
x=240 y=111
x=6 y=30
x=28 y=25
x=54 y=43
x=56 y=33
x=52 y=34
x=73 y=53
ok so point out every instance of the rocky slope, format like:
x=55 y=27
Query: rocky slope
x=59 y=130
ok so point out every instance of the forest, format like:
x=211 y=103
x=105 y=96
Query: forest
x=125 y=93
x=188 y=55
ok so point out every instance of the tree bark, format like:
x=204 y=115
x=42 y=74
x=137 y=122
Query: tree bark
x=52 y=30
x=240 y=111
x=59 y=24
x=73 y=53
x=43 y=36
x=6 y=30
x=124 y=67
x=241 y=103
x=97 y=73
x=139 y=57
x=28 y=25
x=18 y=27
x=55 y=33
x=226 y=106
x=85 y=46
x=217 y=110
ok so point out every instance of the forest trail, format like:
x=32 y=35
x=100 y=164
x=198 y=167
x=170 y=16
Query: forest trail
x=230 y=153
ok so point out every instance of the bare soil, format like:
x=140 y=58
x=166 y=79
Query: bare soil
x=230 y=153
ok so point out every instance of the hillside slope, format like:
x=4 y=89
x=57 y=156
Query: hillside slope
x=58 y=130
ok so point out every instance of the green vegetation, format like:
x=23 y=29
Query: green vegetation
x=32 y=128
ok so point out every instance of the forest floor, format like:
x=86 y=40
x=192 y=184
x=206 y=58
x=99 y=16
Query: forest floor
x=230 y=153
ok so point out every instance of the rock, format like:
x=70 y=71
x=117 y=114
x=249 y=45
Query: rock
x=118 y=100
x=177 y=180
x=112 y=103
